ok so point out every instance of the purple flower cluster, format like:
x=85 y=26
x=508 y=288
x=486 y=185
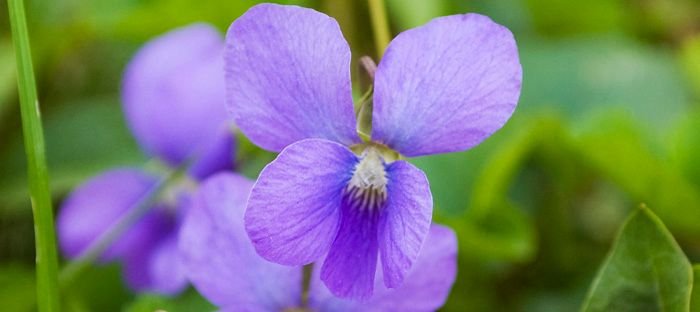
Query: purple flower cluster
x=330 y=197
x=173 y=96
x=354 y=207
x=223 y=265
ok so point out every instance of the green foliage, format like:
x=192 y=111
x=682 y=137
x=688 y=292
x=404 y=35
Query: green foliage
x=17 y=290
x=608 y=118
x=695 y=295
x=190 y=301
x=37 y=172
x=645 y=271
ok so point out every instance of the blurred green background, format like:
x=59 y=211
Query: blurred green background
x=608 y=118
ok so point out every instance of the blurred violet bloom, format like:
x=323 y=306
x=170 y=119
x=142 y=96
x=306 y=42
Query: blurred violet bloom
x=442 y=87
x=222 y=264
x=173 y=95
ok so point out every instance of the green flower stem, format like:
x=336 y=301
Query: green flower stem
x=45 y=236
x=380 y=25
x=75 y=268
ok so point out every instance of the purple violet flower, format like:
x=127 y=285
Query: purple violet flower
x=441 y=87
x=225 y=268
x=173 y=94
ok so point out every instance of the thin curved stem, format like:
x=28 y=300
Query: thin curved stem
x=40 y=193
x=71 y=271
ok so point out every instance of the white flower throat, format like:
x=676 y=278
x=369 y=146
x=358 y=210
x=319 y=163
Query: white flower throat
x=367 y=189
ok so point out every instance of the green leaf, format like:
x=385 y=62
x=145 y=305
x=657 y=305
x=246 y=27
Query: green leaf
x=645 y=271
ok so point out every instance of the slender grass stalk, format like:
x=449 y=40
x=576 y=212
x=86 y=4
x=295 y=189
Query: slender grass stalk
x=45 y=236
x=380 y=25
x=75 y=268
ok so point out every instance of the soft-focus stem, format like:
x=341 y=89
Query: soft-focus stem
x=380 y=25
x=71 y=271
x=40 y=194
x=307 y=271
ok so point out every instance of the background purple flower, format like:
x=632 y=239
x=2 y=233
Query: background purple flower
x=173 y=95
x=441 y=87
x=223 y=265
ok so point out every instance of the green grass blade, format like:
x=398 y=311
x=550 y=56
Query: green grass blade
x=45 y=237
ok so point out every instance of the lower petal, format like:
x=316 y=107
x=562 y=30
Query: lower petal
x=219 y=258
x=294 y=208
x=166 y=272
x=426 y=288
x=97 y=205
x=405 y=220
x=348 y=270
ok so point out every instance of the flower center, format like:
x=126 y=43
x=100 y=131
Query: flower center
x=366 y=190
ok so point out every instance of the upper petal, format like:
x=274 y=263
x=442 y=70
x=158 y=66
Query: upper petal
x=446 y=86
x=288 y=77
x=294 y=208
x=404 y=221
x=97 y=205
x=219 y=258
x=426 y=287
x=174 y=95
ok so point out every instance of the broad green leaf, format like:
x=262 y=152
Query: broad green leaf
x=646 y=270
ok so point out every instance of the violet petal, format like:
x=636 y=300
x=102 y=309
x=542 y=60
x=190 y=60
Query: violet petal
x=405 y=220
x=174 y=96
x=219 y=258
x=426 y=287
x=288 y=77
x=294 y=208
x=446 y=86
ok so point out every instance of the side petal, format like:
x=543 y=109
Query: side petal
x=294 y=208
x=288 y=77
x=349 y=268
x=426 y=288
x=146 y=242
x=174 y=94
x=219 y=258
x=165 y=268
x=97 y=205
x=405 y=220
x=446 y=86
